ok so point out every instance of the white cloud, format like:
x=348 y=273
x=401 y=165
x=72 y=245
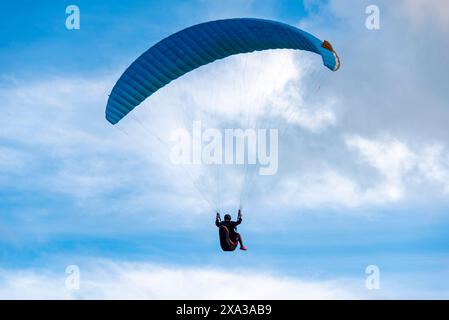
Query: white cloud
x=434 y=165
x=110 y=280
x=321 y=188
x=422 y=13
x=390 y=157
x=397 y=162
x=381 y=171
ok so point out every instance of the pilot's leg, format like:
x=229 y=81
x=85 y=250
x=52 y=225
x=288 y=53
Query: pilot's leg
x=240 y=240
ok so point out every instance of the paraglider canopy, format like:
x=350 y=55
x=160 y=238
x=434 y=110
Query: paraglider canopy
x=201 y=44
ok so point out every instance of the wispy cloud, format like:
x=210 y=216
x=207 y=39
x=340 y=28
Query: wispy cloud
x=111 y=280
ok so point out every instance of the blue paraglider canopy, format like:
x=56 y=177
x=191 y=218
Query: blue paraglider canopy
x=201 y=44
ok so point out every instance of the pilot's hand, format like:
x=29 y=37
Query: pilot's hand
x=218 y=215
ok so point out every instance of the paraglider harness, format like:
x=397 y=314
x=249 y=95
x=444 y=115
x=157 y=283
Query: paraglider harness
x=226 y=243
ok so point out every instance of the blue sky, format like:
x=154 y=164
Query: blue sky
x=364 y=162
